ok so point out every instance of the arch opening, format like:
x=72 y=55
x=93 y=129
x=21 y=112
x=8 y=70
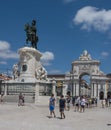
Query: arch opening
x=101 y=95
x=84 y=84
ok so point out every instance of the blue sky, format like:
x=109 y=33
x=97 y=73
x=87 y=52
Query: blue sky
x=65 y=28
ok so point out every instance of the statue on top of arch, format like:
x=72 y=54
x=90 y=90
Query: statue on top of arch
x=85 y=56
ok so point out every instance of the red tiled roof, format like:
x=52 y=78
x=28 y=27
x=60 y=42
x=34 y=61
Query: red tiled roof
x=4 y=77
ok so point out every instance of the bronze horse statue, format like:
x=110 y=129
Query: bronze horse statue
x=31 y=34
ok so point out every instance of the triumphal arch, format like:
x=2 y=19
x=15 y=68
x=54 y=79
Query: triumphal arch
x=96 y=86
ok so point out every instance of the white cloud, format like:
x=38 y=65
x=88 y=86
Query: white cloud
x=54 y=71
x=3 y=62
x=5 y=52
x=4 y=46
x=68 y=1
x=46 y=58
x=91 y=17
x=104 y=54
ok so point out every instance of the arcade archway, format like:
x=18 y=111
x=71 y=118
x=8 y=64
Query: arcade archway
x=108 y=95
x=84 y=84
x=101 y=95
x=86 y=66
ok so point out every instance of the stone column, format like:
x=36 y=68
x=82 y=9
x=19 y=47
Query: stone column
x=64 y=89
x=54 y=87
x=74 y=89
x=95 y=89
x=105 y=91
x=77 y=89
x=37 y=93
x=92 y=90
x=99 y=86
x=5 y=89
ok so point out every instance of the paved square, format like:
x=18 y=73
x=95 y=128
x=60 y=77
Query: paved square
x=31 y=117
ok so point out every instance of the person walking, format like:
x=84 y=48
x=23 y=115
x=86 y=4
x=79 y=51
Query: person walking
x=52 y=105
x=96 y=101
x=21 y=98
x=82 y=104
x=103 y=103
x=77 y=103
x=73 y=100
x=109 y=102
x=62 y=106
x=68 y=99
x=2 y=98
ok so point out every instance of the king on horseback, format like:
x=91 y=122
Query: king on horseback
x=31 y=34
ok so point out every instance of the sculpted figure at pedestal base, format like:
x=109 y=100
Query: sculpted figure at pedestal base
x=41 y=73
x=15 y=71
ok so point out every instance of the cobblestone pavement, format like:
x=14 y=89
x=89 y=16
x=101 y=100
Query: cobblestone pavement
x=31 y=117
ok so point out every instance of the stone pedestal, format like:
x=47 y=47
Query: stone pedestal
x=29 y=62
x=29 y=77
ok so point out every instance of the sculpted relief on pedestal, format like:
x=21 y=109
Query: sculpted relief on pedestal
x=41 y=73
x=15 y=71
x=26 y=56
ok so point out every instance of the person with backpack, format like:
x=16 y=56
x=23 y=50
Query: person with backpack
x=62 y=106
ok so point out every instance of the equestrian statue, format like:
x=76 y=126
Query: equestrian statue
x=31 y=34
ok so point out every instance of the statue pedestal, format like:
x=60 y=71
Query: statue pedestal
x=32 y=76
x=29 y=61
